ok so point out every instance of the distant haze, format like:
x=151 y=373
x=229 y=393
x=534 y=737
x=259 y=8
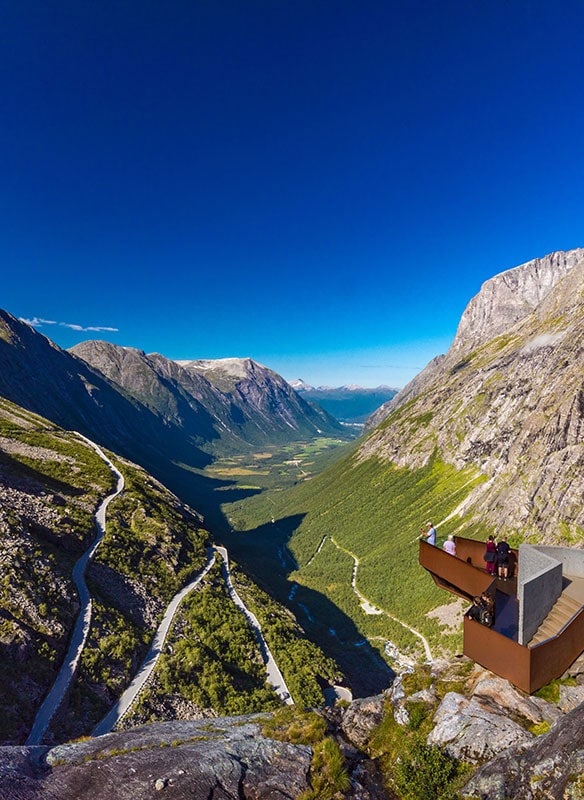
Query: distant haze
x=349 y=404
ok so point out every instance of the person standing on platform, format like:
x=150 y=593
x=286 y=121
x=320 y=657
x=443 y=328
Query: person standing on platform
x=490 y=556
x=429 y=533
x=503 y=551
x=449 y=545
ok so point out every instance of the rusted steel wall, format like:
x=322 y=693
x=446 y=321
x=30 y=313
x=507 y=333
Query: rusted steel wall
x=454 y=570
x=497 y=653
x=527 y=668
x=551 y=659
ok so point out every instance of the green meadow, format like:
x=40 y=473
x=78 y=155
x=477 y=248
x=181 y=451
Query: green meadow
x=303 y=542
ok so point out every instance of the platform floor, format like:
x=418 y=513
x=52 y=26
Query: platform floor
x=574 y=588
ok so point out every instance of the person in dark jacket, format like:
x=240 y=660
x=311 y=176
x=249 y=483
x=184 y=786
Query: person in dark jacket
x=503 y=551
x=488 y=603
x=474 y=611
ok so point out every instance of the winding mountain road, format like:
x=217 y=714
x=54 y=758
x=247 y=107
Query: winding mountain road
x=275 y=677
x=128 y=697
x=125 y=702
x=80 y=631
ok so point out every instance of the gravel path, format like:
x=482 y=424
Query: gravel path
x=369 y=608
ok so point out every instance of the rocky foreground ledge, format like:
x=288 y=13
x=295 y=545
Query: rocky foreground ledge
x=490 y=726
x=224 y=758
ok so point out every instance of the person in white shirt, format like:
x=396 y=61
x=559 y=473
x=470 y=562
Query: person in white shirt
x=449 y=546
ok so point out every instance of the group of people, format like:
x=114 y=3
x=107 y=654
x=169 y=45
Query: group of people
x=496 y=553
x=497 y=563
x=497 y=557
x=482 y=609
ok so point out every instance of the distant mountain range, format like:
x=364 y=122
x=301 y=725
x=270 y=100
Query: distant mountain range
x=223 y=404
x=170 y=418
x=349 y=404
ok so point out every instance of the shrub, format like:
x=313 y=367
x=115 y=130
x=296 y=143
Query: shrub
x=328 y=774
x=290 y=724
x=425 y=773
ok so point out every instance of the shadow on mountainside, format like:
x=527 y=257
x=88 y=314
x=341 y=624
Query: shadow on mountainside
x=204 y=494
x=264 y=554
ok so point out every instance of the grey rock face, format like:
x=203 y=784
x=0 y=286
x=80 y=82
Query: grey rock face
x=360 y=718
x=552 y=767
x=571 y=697
x=224 y=759
x=510 y=407
x=472 y=730
x=503 y=696
x=510 y=296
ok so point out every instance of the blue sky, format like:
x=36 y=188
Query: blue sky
x=321 y=186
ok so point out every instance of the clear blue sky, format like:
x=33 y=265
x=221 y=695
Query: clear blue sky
x=319 y=185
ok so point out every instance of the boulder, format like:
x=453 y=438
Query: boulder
x=551 y=767
x=360 y=718
x=474 y=730
x=570 y=697
x=503 y=695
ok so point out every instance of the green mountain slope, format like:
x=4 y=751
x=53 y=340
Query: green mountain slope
x=364 y=509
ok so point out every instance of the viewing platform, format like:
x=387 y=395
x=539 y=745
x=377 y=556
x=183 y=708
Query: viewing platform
x=538 y=631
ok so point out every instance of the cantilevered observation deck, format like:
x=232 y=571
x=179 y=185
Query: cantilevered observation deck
x=539 y=612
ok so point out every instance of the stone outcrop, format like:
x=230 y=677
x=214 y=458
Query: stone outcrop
x=194 y=760
x=551 y=768
x=219 y=759
x=361 y=718
x=471 y=730
x=233 y=757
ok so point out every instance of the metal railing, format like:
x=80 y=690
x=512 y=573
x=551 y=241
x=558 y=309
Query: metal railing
x=454 y=573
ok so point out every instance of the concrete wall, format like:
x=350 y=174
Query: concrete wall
x=539 y=584
x=572 y=559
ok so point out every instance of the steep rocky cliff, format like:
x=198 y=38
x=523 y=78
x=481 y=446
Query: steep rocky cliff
x=503 y=300
x=508 y=399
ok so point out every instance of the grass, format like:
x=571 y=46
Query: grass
x=294 y=725
x=370 y=509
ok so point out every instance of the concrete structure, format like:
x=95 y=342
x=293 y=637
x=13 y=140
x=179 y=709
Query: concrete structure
x=539 y=584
